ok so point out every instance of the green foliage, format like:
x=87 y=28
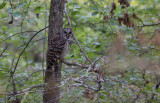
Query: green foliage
x=129 y=65
x=2 y=5
x=37 y=9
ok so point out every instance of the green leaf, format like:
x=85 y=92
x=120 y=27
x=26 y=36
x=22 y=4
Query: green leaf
x=2 y=5
x=16 y=14
x=94 y=13
x=149 y=87
x=4 y=28
x=37 y=9
x=158 y=90
x=72 y=56
x=102 y=97
x=104 y=92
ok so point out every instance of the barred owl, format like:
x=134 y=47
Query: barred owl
x=58 y=46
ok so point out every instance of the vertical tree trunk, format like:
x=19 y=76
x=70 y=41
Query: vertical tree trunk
x=53 y=75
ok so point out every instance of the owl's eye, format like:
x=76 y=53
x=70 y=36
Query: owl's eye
x=65 y=32
x=70 y=32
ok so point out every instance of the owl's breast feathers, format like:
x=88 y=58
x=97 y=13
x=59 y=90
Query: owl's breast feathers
x=59 y=45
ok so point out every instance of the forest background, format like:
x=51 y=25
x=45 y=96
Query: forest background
x=121 y=37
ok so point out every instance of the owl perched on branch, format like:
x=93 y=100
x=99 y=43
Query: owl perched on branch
x=58 y=46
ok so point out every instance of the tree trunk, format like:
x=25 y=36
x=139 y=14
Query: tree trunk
x=53 y=75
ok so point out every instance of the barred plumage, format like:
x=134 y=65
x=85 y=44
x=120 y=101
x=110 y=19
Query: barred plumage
x=58 y=46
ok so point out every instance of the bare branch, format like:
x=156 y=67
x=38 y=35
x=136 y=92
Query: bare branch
x=69 y=23
x=25 y=49
x=25 y=90
x=150 y=24
x=143 y=25
x=34 y=41
x=14 y=35
x=157 y=85
x=94 y=64
x=156 y=88
x=99 y=86
x=155 y=33
x=85 y=86
x=31 y=87
x=4 y=50
x=74 y=64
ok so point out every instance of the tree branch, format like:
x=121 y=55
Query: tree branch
x=25 y=49
x=4 y=50
x=31 y=87
x=156 y=88
x=143 y=25
x=83 y=85
x=75 y=64
x=33 y=41
x=149 y=25
x=25 y=90
x=14 y=35
x=69 y=23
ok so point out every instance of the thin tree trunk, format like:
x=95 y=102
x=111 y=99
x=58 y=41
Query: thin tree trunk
x=53 y=75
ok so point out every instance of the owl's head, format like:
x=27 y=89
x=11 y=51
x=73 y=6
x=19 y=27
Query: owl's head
x=67 y=33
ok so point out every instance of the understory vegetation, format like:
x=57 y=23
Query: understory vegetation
x=120 y=37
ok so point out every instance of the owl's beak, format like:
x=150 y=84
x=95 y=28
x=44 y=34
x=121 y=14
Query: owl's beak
x=67 y=35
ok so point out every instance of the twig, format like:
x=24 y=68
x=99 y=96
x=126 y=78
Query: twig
x=69 y=23
x=4 y=50
x=31 y=87
x=11 y=11
x=143 y=25
x=83 y=85
x=74 y=64
x=14 y=86
x=140 y=20
x=149 y=25
x=78 y=82
x=23 y=18
x=94 y=64
x=157 y=85
x=25 y=90
x=13 y=83
x=26 y=78
x=155 y=33
x=156 y=88
x=14 y=35
x=92 y=1
x=33 y=41
x=99 y=87
x=25 y=49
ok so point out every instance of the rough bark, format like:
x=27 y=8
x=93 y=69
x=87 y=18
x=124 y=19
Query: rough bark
x=53 y=75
